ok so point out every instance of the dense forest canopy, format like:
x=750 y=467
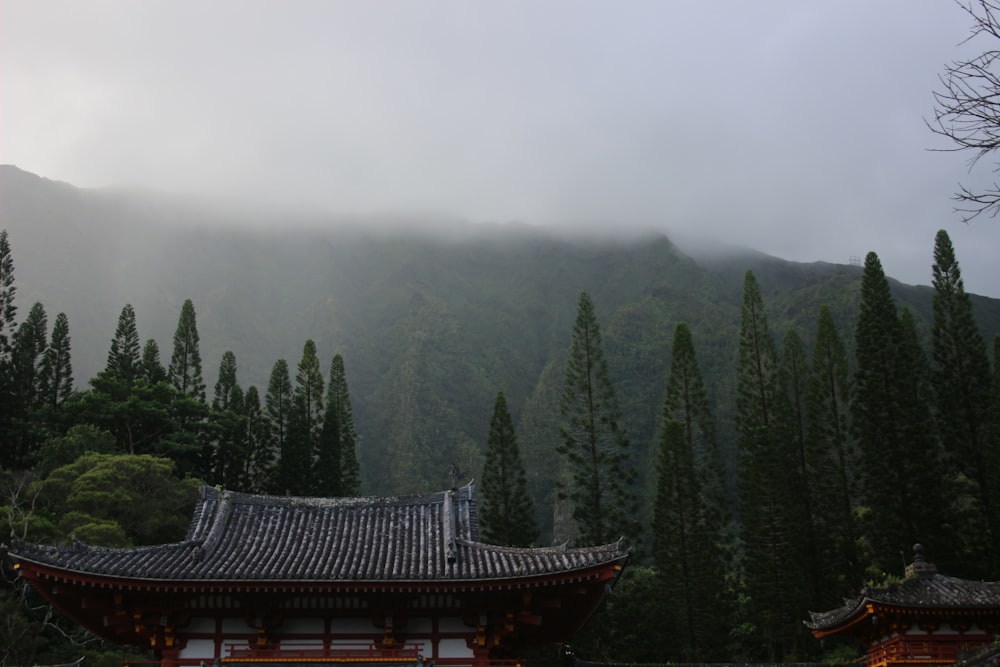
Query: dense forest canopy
x=733 y=387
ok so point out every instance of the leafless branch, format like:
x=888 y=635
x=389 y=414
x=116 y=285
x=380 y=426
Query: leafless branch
x=967 y=108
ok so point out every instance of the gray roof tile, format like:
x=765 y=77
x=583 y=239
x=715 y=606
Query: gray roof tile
x=243 y=537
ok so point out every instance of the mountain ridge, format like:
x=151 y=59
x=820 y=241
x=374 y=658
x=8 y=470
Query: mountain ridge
x=430 y=325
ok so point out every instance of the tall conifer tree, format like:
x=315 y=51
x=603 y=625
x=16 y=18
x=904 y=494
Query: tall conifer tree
x=593 y=442
x=228 y=458
x=30 y=343
x=55 y=381
x=689 y=516
x=338 y=472
x=8 y=309
x=834 y=476
x=124 y=361
x=8 y=312
x=277 y=410
x=339 y=397
x=900 y=464
x=152 y=370
x=793 y=378
x=507 y=515
x=772 y=560
x=258 y=446
x=961 y=381
x=185 y=363
x=295 y=468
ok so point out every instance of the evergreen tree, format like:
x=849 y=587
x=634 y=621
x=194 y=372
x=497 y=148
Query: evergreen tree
x=295 y=467
x=185 y=363
x=152 y=370
x=689 y=515
x=507 y=514
x=772 y=557
x=260 y=456
x=961 y=380
x=793 y=378
x=340 y=398
x=593 y=443
x=228 y=456
x=901 y=468
x=8 y=310
x=124 y=362
x=55 y=382
x=278 y=408
x=30 y=343
x=328 y=473
x=338 y=472
x=834 y=460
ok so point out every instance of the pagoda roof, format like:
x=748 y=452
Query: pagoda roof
x=238 y=537
x=924 y=590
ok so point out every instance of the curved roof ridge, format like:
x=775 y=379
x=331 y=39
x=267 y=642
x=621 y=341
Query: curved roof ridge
x=615 y=547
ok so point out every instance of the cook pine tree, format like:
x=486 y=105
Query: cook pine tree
x=592 y=443
x=305 y=423
x=962 y=395
x=506 y=514
x=900 y=461
x=828 y=404
x=277 y=411
x=689 y=515
x=184 y=371
x=55 y=381
x=772 y=558
x=338 y=471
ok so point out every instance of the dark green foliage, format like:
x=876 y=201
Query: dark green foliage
x=228 y=455
x=23 y=434
x=793 y=379
x=118 y=500
x=30 y=343
x=689 y=515
x=833 y=462
x=305 y=422
x=961 y=381
x=80 y=439
x=152 y=370
x=900 y=460
x=593 y=442
x=337 y=470
x=339 y=397
x=278 y=408
x=506 y=512
x=124 y=362
x=55 y=380
x=770 y=489
x=630 y=627
x=256 y=443
x=184 y=372
x=8 y=309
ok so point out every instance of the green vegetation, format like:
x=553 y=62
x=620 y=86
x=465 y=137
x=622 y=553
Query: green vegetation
x=762 y=477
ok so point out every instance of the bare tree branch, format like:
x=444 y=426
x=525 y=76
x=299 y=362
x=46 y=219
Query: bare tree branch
x=967 y=108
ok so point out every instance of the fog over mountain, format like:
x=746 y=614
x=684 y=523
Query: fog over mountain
x=794 y=128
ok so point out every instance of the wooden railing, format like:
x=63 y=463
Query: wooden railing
x=290 y=652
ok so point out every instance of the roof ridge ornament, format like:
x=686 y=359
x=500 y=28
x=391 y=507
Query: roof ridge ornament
x=920 y=567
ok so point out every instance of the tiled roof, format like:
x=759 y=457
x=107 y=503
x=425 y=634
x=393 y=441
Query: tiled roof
x=242 y=537
x=931 y=591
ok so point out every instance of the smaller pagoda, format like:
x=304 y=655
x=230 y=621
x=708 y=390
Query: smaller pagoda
x=927 y=619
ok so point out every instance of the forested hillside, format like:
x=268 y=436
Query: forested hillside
x=431 y=322
x=425 y=324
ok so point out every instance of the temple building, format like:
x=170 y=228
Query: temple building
x=927 y=619
x=267 y=579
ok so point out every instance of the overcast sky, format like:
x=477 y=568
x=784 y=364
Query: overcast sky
x=795 y=127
